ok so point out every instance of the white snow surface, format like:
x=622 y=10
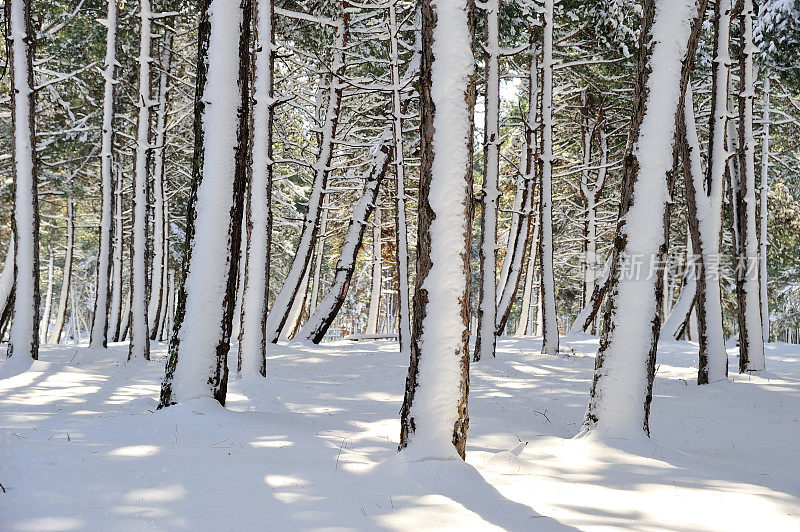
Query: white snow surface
x=436 y=399
x=82 y=447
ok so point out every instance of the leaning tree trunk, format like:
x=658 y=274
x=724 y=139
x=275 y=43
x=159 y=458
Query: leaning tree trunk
x=282 y=305
x=99 y=333
x=619 y=405
x=751 y=342
x=66 y=277
x=586 y=317
x=157 y=286
x=318 y=324
x=7 y=288
x=252 y=337
x=486 y=341
x=548 y=299
x=139 y=347
x=434 y=416
x=24 y=340
x=198 y=354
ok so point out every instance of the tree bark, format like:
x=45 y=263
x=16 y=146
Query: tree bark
x=66 y=278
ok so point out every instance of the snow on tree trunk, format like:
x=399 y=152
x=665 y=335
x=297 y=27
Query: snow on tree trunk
x=319 y=323
x=252 y=338
x=319 y=255
x=486 y=341
x=526 y=325
x=377 y=272
x=66 y=277
x=704 y=206
x=434 y=417
x=751 y=343
x=619 y=405
x=139 y=347
x=283 y=302
x=401 y=228
x=674 y=324
x=197 y=363
x=159 y=219
x=48 y=299
x=763 y=240
x=114 y=319
x=586 y=317
x=125 y=323
x=99 y=332
x=296 y=310
x=548 y=295
x=24 y=338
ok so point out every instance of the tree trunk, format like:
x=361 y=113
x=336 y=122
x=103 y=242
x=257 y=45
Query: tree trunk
x=24 y=339
x=48 y=300
x=434 y=416
x=320 y=254
x=114 y=319
x=66 y=278
x=485 y=341
x=197 y=363
x=377 y=271
x=252 y=338
x=283 y=302
x=7 y=288
x=139 y=347
x=159 y=205
x=318 y=324
x=751 y=343
x=763 y=240
x=548 y=295
x=619 y=404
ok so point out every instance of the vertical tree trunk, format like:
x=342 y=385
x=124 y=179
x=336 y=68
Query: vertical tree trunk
x=319 y=255
x=548 y=299
x=197 y=364
x=66 y=277
x=140 y=339
x=24 y=340
x=377 y=272
x=7 y=288
x=485 y=341
x=114 y=319
x=159 y=206
x=751 y=344
x=253 y=338
x=401 y=229
x=619 y=405
x=283 y=302
x=434 y=416
x=48 y=300
x=763 y=240
x=319 y=323
x=99 y=332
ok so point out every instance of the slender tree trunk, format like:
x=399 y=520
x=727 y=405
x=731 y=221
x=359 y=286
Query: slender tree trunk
x=319 y=323
x=763 y=240
x=7 y=288
x=434 y=416
x=159 y=204
x=125 y=323
x=48 y=300
x=319 y=255
x=140 y=339
x=253 y=338
x=66 y=278
x=401 y=229
x=114 y=319
x=548 y=299
x=283 y=302
x=197 y=365
x=296 y=311
x=99 y=331
x=586 y=317
x=751 y=344
x=486 y=341
x=377 y=272
x=24 y=340
x=619 y=405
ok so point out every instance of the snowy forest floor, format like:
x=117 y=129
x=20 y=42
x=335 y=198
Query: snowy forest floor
x=314 y=446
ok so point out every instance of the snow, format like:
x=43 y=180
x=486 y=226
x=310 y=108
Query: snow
x=82 y=447
x=7 y=275
x=435 y=406
x=209 y=264
x=622 y=381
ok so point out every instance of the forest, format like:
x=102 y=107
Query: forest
x=400 y=264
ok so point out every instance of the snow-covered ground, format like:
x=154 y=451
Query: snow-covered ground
x=82 y=447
